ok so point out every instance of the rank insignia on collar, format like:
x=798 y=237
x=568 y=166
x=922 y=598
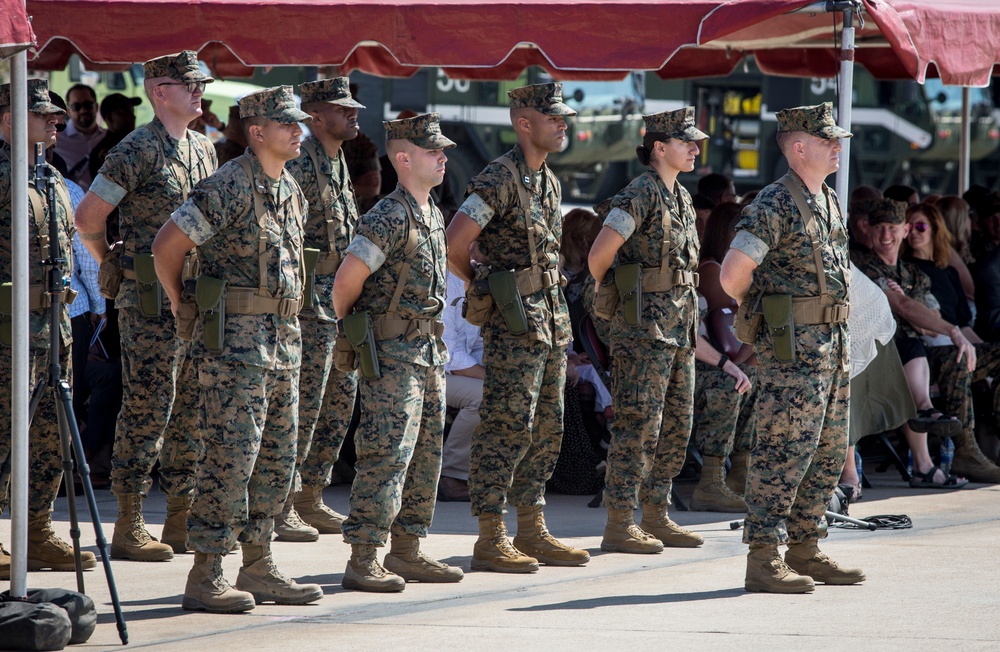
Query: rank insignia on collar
x=527 y=180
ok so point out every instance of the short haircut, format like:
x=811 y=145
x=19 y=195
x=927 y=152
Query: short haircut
x=785 y=139
x=713 y=186
x=246 y=123
x=81 y=87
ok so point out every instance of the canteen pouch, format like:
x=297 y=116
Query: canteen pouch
x=209 y=295
x=478 y=300
x=309 y=257
x=606 y=298
x=345 y=358
x=6 y=310
x=628 y=279
x=147 y=285
x=778 y=315
x=503 y=287
x=360 y=332
x=748 y=321
x=109 y=274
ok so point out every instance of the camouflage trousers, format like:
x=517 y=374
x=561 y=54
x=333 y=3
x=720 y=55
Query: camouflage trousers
x=322 y=391
x=249 y=419
x=652 y=387
x=332 y=424
x=802 y=427
x=516 y=444
x=399 y=453
x=723 y=419
x=159 y=415
x=44 y=448
x=955 y=381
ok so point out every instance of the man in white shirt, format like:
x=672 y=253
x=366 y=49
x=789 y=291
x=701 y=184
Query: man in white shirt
x=82 y=133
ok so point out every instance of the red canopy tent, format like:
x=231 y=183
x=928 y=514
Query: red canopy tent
x=15 y=31
x=955 y=39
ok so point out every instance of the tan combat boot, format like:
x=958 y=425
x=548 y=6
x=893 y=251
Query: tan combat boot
x=47 y=551
x=534 y=540
x=175 y=525
x=406 y=560
x=712 y=494
x=494 y=551
x=969 y=462
x=208 y=590
x=768 y=573
x=4 y=563
x=806 y=559
x=621 y=534
x=311 y=509
x=266 y=583
x=656 y=522
x=739 y=464
x=289 y=527
x=364 y=573
x=131 y=540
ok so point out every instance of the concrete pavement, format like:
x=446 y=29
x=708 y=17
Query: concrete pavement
x=934 y=586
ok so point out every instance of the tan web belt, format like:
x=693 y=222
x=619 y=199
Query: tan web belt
x=809 y=310
x=388 y=329
x=39 y=299
x=531 y=280
x=661 y=281
x=127 y=261
x=247 y=301
x=327 y=265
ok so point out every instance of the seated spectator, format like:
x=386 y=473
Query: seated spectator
x=724 y=419
x=717 y=188
x=863 y=199
x=118 y=113
x=909 y=292
x=702 y=209
x=988 y=212
x=955 y=212
x=580 y=228
x=903 y=194
x=233 y=142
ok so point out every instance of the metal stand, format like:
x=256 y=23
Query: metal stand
x=69 y=433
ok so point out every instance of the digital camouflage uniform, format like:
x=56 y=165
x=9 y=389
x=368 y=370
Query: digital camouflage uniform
x=516 y=445
x=402 y=413
x=44 y=450
x=333 y=217
x=249 y=390
x=147 y=176
x=802 y=406
x=652 y=377
x=724 y=419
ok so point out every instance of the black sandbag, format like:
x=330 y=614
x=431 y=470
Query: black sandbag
x=30 y=626
x=80 y=608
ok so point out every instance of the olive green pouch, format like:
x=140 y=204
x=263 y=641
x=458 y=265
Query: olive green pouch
x=147 y=285
x=778 y=315
x=6 y=312
x=628 y=278
x=309 y=257
x=210 y=294
x=360 y=332
x=503 y=287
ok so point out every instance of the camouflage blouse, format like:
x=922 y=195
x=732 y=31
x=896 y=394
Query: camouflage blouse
x=911 y=279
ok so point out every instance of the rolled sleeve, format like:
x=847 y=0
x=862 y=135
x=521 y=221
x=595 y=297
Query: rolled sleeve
x=108 y=190
x=620 y=222
x=192 y=223
x=367 y=251
x=751 y=245
x=480 y=212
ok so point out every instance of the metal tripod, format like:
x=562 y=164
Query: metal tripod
x=69 y=433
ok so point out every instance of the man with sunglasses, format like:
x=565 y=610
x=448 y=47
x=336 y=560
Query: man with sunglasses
x=82 y=133
x=147 y=176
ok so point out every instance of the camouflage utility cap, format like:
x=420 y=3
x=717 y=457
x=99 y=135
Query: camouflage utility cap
x=423 y=131
x=887 y=211
x=276 y=103
x=38 y=98
x=545 y=98
x=677 y=124
x=863 y=206
x=814 y=120
x=182 y=66
x=334 y=91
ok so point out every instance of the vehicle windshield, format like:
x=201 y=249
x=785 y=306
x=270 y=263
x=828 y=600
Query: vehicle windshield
x=948 y=99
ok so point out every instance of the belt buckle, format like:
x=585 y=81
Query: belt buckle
x=287 y=307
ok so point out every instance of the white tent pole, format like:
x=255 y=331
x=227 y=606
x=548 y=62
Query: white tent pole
x=844 y=102
x=19 y=349
x=964 y=143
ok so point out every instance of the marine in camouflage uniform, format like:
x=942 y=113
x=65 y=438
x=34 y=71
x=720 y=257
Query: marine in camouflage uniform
x=147 y=176
x=395 y=267
x=45 y=549
x=249 y=234
x=330 y=225
x=516 y=445
x=802 y=406
x=951 y=373
x=652 y=376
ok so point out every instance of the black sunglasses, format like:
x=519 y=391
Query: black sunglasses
x=77 y=106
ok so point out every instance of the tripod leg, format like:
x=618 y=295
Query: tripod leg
x=67 y=463
x=840 y=517
x=66 y=405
